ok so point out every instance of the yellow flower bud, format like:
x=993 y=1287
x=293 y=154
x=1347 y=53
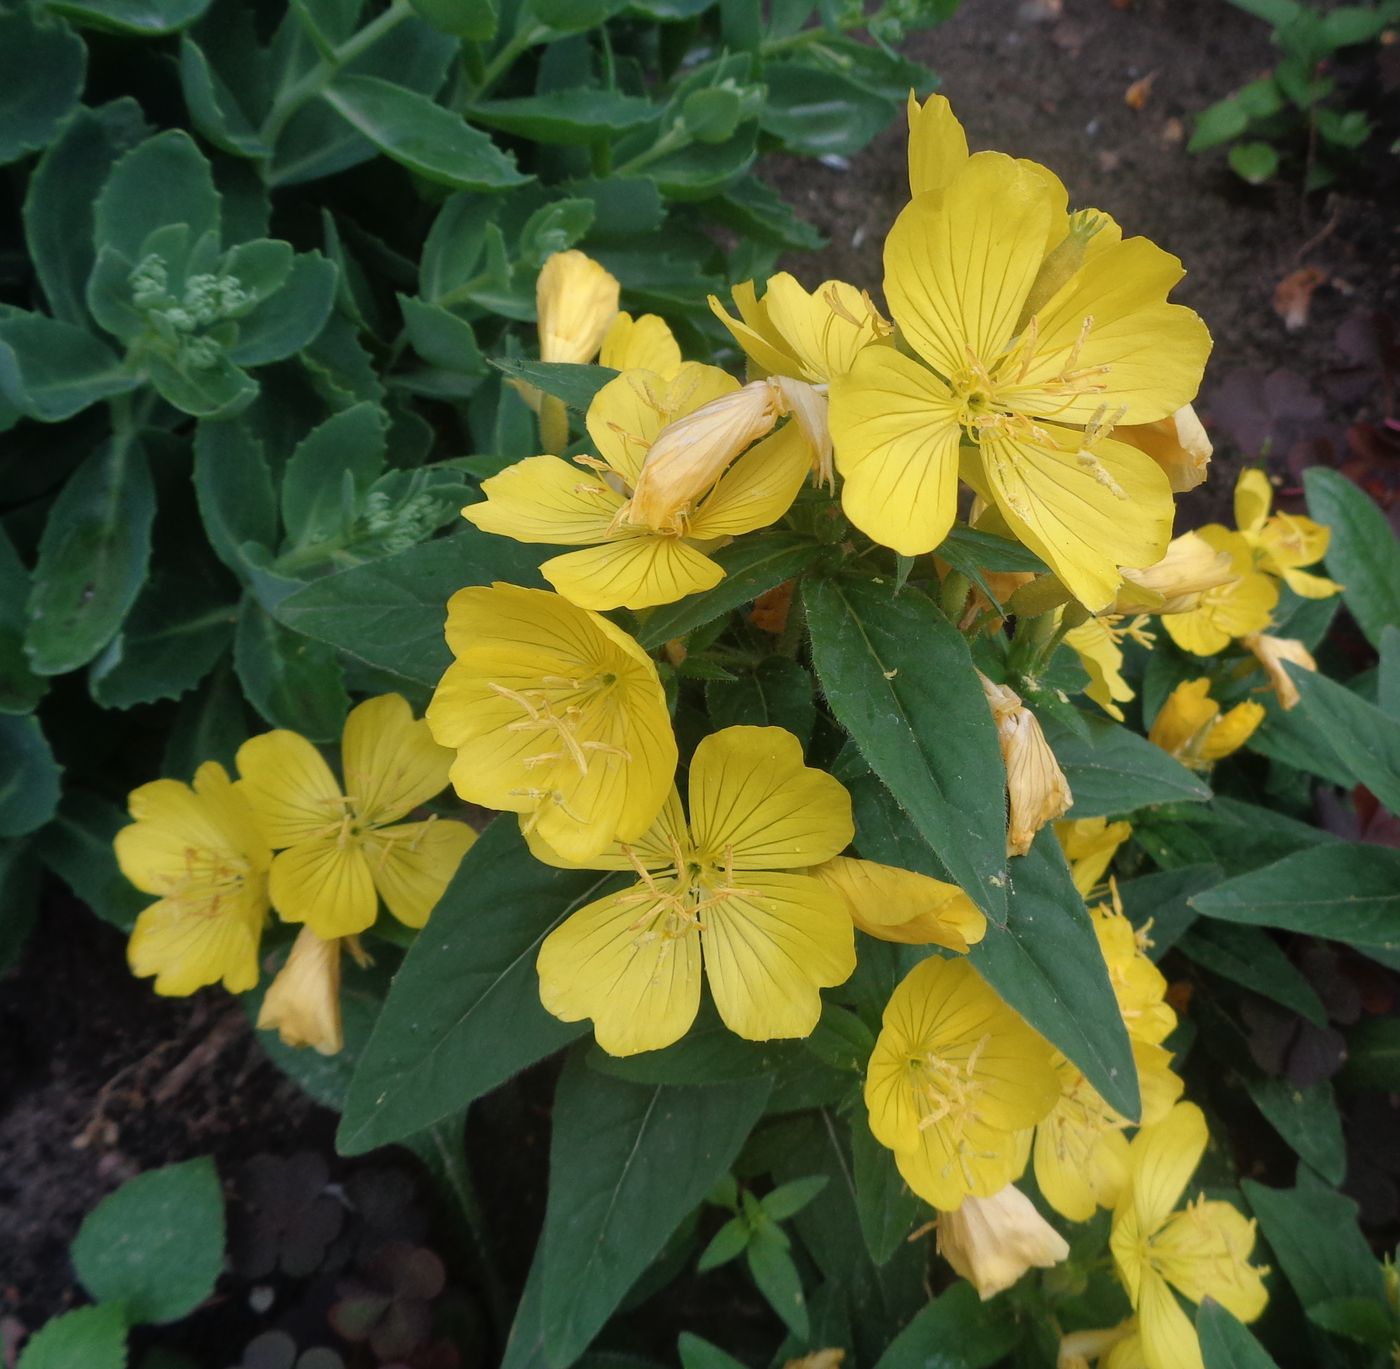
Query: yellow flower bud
x=575 y=301
x=1079 y=1347
x=1036 y=786
x=1177 y=443
x=1272 y=653
x=992 y=1241
x=1177 y=583
x=1192 y=728
x=303 y=1003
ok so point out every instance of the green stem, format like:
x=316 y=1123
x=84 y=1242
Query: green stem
x=497 y=67
x=672 y=140
x=324 y=72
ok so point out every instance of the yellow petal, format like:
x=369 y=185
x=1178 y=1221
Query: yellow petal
x=937 y=144
x=825 y=329
x=1191 y=568
x=960 y=263
x=1112 y=325
x=186 y=951
x=575 y=299
x=1274 y=654
x=325 y=885
x=1169 y=1341
x=769 y=947
x=1081 y=1156
x=758 y=489
x=1310 y=586
x=1254 y=497
x=1089 y=845
x=1232 y=729
x=1187 y=713
x=391 y=762
x=546 y=499
x=1163 y=1159
x=1160 y=1087
x=1102 y=659
x=632 y=572
x=656 y=849
x=766 y=348
x=1178 y=444
x=1084 y=512
x=413 y=863
x=901 y=905
x=896 y=432
x=754 y=805
x=993 y=1241
x=289 y=786
x=640 y=342
x=627 y=963
x=1204 y=1252
x=303 y=1003
x=980 y=1163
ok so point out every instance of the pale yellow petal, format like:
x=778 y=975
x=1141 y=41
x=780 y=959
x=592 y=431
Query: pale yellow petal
x=632 y=572
x=645 y=341
x=767 y=350
x=325 y=885
x=390 y=760
x=547 y=499
x=825 y=329
x=1254 y=497
x=758 y=489
x=575 y=300
x=1203 y=1251
x=754 y=804
x=902 y=905
x=1163 y=1158
x=289 y=786
x=413 y=863
x=303 y=1003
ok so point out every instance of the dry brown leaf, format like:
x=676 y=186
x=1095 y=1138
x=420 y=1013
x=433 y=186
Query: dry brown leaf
x=1293 y=295
x=770 y=610
x=1173 y=132
x=1135 y=97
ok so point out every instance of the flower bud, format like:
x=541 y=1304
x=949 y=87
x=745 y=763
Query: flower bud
x=303 y=1002
x=1178 y=444
x=575 y=301
x=1036 y=786
x=992 y=1241
x=1272 y=653
x=1177 y=582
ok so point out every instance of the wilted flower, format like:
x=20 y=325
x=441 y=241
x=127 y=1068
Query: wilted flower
x=1274 y=653
x=992 y=1241
x=1037 y=790
x=1235 y=607
x=1177 y=583
x=302 y=1004
x=1192 y=728
x=1177 y=443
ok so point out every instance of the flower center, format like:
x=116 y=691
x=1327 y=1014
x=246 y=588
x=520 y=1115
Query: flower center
x=685 y=891
x=208 y=878
x=944 y=1090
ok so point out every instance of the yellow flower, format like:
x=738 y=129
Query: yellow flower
x=937 y=144
x=1192 y=728
x=1089 y=845
x=1272 y=653
x=1284 y=542
x=1234 y=608
x=1032 y=332
x=1037 y=791
x=554 y=713
x=575 y=302
x=1177 y=583
x=1138 y=985
x=200 y=851
x=1079 y=1347
x=992 y=1241
x=1201 y=1251
x=954 y=1080
x=901 y=905
x=303 y=1003
x=643 y=343
x=339 y=849
x=729 y=889
x=633 y=421
x=1177 y=443
x=1096 y=642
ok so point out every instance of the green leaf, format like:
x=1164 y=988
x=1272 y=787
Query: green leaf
x=51 y=370
x=576 y=115
x=1219 y=123
x=776 y=693
x=1365 y=740
x=957 y=1327
x=214 y=108
x=1226 y=1342
x=787 y=1200
x=627 y=1163
x=330 y=472
x=1313 y=1233
x=20 y=688
x=145 y=18
x=1358 y=1319
x=292 y=680
x=752 y=566
x=884 y=1202
x=900 y=680
x=166 y=180
x=1254 y=162
x=454 y=246
x=1307 y=1119
x=156 y=1244
x=1112 y=770
x=575 y=385
x=1163 y=900
x=431 y=141
x=290 y=319
x=1236 y=836
x=233 y=485
x=92 y=558
x=704 y=170
x=29 y=783
x=391 y=613
x=778 y=1280
x=709 y=1053
x=727 y=1243
x=77 y=846
x=42 y=66
x=441 y=338
x=1373 y=1055
x=696 y=1353
x=1345 y=891
x=1249 y=956
x=220 y=390
x=1363 y=554
x=209 y=726
x=19 y=899
x=464 y=1013
x=93 y=1337
x=817 y=112
x=475 y=19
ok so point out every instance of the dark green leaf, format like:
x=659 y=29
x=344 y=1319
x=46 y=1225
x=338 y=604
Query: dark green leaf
x=694 y=1352
x=290 y=319
x=292 y=680
x=391 y=612
x=726 y=1243
x=423 y=136
x=776 y=693
x=900 y=680
x=709 y=1053
x=142 y=17
x=442 y=339
x=51 y=370
x=209 y=726
x=1363 y=554
x=330 y=472
x=1226 y=1342
x=1348 y=892
x=575 y=115
x=1373 y=1055
x=454 y=246
x=1163 y=901
x=214 y=108
x=817 y=112
x=575 y=385
x=1307 y=1118
x=1249 y=956
x=1365 y=740
x=166 y=180
x=464 y=1014
x=956 y=1327
x=77 y=847
x=475 y=19
x=1112 y=770
x=41 y=77
x=233 y=485
x=29 y=777
x=778 y=1280
x=20 y=688
x=884 y=1202
x=92 y=558
x=19 y=898
x=705 y=169
x=627 y=1163
x=787 y=1200
x=93 y=1337
x=220 y=390
x=1358 y=1319
x=156 y=1244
